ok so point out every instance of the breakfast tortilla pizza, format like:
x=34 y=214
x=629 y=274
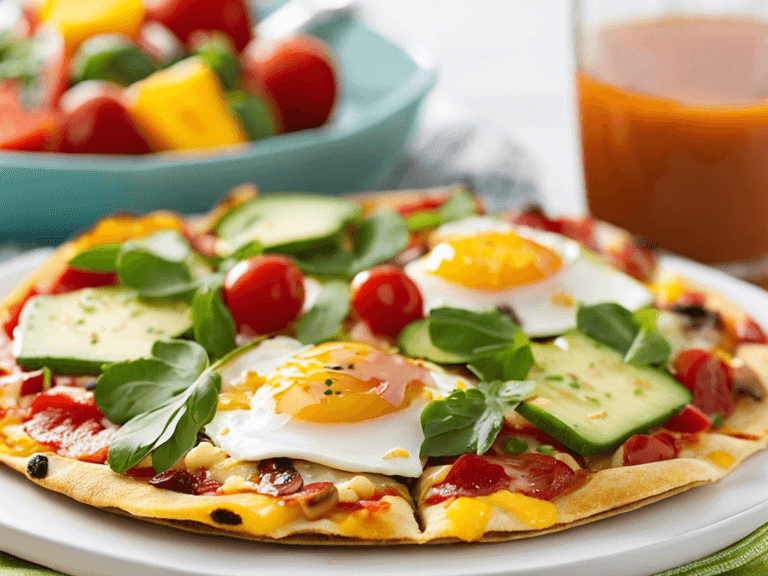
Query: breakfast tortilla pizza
x=381 y=369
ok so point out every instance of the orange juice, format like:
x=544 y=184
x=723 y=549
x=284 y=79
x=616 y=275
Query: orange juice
x=674 y=120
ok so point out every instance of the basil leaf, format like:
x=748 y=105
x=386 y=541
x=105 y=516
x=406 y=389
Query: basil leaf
x=423 y=219
x=126 y=389
x=646 y=318
x=448 y=423
x=467 y=332
x=510 y=363
x=168 y=431
x=335 y=261
x=212 y=323
x=647 y=349
x=249 y=250
x=608 y=323
x=101 y=258
x=458 y=206
x=158 y=265
x=323 y=320
x=468 y=421
x=379 y=237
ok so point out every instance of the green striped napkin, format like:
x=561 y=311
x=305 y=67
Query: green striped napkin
x=748 y=557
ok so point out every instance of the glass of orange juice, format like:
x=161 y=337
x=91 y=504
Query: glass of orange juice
x=673 y=100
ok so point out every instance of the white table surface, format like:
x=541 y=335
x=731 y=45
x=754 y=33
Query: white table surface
x=510 y=62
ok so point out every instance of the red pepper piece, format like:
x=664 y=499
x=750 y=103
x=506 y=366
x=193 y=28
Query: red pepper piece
x=643 y=449
x=689 y=419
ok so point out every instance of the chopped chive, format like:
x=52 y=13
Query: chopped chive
x=328 y=392
x=607 y=394
x=546 y=449
x=515 y=446
x=574 y=384
x=554 y=378
x=94 y=338
x=593 y=400
x=638 y=392
x=717 y=421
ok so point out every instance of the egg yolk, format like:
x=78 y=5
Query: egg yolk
x=493 y=261
x=347 y=382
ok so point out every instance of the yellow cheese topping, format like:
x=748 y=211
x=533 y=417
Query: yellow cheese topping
x=721 y=458
x=468 y=518
x=362 y=524
x=535 y=513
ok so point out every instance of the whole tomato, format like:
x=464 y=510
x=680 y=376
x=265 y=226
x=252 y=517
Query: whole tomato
x=264 y=293
x=298 y=73
x=386 y=299
x=95 y=121
x=183 y=17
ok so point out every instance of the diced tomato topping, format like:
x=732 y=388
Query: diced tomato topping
x=539 y=475
x=644 y=449
x=14 y=311
x=73 y=279
x=747 y=330
x=535 y=219
x=689 y=419
x=579 y=229
x=471 y=475
x=709 y=380
x=423 y=203
x=32 y=382
x=68 y=421
x=637 y=261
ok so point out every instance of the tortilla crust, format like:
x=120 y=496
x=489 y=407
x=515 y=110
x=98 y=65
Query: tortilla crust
x=607 y=492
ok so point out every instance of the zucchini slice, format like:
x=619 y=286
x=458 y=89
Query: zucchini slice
x=591 y=401
x=285 y=222
x=414 y=342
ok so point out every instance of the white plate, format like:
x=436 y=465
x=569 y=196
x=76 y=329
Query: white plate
x=57 y=532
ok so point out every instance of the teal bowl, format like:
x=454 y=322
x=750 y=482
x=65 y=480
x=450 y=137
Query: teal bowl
x=45 y=197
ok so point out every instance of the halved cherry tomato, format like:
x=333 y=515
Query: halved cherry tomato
x=264 y=293
x=689 y=419
x=386 y=299
x=709 y=380
x=643 y=449
x=97 y=122
x=183 y=17
x=298 y=74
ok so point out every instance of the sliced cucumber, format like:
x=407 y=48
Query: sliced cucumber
x=285 y=222
x=78 y=332
x=591 y=401
x=414 y=341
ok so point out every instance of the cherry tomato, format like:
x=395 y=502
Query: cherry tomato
x=709 y=380
x=183 y=17
x=643 y=449
x=95 y=121
x=690 y=420
x=22 y=128
x=299 y=75
x=264 y=293
x=386 y=299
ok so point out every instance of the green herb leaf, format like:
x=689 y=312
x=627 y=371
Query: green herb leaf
x=332 y=261
x=457 y=207
x=378 y=238
x=249 y=250
x=649 y=348
x=470 y=333
x=212 y=323
x=162 y=402
x=323 y=320
x=158 y=265
x=468 y=421
x=97 y=259
x=423 y=219
x=608 y=323
x=512 y=362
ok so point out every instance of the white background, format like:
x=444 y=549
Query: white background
x=510 y=62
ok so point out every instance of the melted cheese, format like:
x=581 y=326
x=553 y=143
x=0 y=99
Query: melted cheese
x=363 y=524
x=721 y=458
x=533 y=512
x=468 y=518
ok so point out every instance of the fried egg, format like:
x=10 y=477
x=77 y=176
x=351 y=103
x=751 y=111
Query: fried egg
x=481 y=262
x=346 y=405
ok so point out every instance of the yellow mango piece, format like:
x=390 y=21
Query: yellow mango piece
x=183 y=108
x=77 y=20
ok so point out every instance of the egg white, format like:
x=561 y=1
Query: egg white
x=364 y=446
x=544 y=308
